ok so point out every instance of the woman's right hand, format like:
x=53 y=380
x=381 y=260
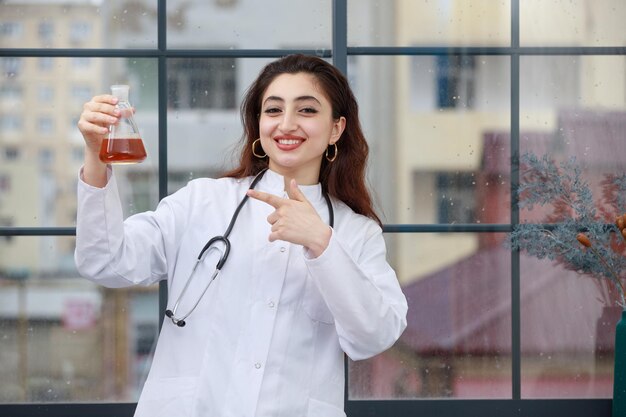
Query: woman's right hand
x=97 y=115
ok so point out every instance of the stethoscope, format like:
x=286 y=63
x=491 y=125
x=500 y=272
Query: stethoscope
x=212 y=244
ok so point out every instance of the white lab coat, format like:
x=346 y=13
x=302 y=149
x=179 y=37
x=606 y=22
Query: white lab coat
x=268 y=337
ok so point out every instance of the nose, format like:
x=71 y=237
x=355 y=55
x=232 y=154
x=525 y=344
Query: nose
x=288 y=122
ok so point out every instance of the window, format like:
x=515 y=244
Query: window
x=46 y=157
x=10 y=92
x=456 y=195
x=11 y=154
x=80 y=32
x=455 y=81
x=12 y=30
x=45 y=93
x=10 y=123
x=11 y=66
x=450 y=93
x=46 y=64
x=81 y=93
x=202 y=84
x=78 y=154
x=81 y=64
x=46 y=31
x=45 y=125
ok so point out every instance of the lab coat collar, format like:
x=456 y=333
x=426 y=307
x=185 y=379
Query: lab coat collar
x=274 y=183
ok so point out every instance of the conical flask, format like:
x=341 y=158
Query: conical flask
x=123 y=144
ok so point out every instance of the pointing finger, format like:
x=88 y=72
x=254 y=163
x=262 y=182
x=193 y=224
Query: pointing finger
x=270 y=199
x=294 y=192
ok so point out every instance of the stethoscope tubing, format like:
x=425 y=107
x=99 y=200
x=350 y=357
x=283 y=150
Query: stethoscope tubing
x=180 y=321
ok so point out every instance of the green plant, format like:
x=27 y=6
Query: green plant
x=582 y=234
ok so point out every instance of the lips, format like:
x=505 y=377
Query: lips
x=288 y=143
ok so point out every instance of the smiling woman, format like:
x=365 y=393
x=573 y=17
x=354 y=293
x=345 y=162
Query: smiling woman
x=323 y=93
x=308 y=280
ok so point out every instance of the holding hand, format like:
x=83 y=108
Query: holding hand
x=97 y=115
x=295 y=220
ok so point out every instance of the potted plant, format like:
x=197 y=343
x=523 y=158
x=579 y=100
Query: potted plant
x=581 y=233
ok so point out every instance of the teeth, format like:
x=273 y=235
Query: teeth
x=288 y=141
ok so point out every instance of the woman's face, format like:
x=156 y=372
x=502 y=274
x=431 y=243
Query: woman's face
x=296 y=126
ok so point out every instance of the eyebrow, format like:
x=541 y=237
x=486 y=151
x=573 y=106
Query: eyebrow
x=301 y=98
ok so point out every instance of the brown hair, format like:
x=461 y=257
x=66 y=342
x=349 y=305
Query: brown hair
x=344 y=178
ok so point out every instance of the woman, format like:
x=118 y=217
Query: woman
x=306 y=277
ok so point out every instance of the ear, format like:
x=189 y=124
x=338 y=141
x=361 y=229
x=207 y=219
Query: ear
x=339 y=126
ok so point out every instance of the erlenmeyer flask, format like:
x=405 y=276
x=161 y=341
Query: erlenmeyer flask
x=123 y=144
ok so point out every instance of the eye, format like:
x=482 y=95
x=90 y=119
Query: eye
x=309 y=110
x=272 y=110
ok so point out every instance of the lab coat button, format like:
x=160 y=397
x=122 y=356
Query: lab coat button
x=257 y=365
x=282 y=248
x=271 y=304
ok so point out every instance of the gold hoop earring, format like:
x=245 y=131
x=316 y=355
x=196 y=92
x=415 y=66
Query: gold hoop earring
x=331 y=159
x=254 y=151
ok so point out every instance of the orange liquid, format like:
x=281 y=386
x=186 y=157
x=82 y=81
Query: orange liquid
x=122 y=151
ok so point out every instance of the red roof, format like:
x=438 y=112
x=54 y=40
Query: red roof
x=466 y=308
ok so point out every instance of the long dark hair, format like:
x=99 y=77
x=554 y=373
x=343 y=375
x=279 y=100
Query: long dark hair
x=344 y=178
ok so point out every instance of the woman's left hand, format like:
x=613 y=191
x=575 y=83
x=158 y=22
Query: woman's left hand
x=295 y=220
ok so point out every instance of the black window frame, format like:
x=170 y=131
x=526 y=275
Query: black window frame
x=339 y=52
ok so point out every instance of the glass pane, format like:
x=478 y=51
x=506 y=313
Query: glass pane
x=232 y=24
x=65 y=339
x=458 y=340
x=204 y=126
x=572 y=122
x=572 y=23
x=429 y=23
x=87 y=24
x=439 y=133
x=570 y=110
x=41 y=149
x=567 y=332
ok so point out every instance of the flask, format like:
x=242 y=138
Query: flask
x=123 y=145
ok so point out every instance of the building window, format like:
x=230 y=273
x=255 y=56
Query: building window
x=11 y=30
x=10 y=123
x=456 y=200
x=45 y=124
x=11 y=66
x=46 y=63
x=202 y=84
x=10 y=92
x=46 y=157
x=79 y=31
x=456 y=81
x=81 y=64
x=45 y=93
x=46 y=31
x=81 y=93
x=78 y=154
x=11 y=153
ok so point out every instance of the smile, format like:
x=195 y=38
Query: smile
x=289 y=141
